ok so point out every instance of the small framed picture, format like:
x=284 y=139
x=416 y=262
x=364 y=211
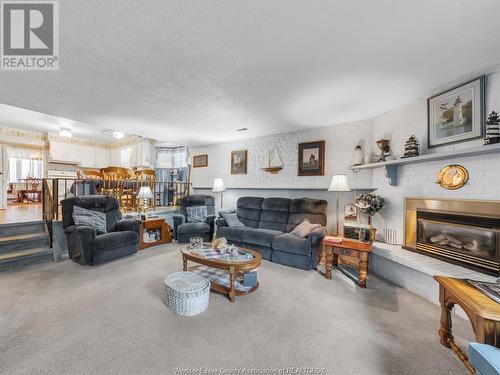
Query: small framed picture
x=200 y=161
x=358 y=232
x=350 y=212
x=311 y=159
x=456 y=115
x=239 y=162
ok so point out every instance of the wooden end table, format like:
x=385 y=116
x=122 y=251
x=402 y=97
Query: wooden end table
x=351 y=248
x=154 y=224
x=235 y=268
x=483 y=313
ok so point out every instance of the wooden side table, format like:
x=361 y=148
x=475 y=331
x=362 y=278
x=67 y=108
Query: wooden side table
x=154 y=224
x=351 y=248
x=483 y=313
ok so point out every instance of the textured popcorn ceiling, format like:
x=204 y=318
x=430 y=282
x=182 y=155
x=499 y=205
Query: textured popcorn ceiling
x=193 y=71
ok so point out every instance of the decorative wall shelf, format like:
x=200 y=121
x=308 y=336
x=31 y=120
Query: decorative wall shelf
x=391 y=166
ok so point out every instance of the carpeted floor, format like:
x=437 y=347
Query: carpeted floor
x=67 y=319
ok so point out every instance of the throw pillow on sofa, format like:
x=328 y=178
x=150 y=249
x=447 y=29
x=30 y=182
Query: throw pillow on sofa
x=304 y=228
x=94 y=219
x=232 y=220
x=196 y=214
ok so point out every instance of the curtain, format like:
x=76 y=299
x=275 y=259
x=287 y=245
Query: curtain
x=24 y=162
x=171 y=157
x=24 y=153
x=23 y=168
x=171 y=164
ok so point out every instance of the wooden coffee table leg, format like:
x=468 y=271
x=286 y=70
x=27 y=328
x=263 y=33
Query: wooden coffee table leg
x=363 y=269
x=231 y=284
x=184 y=263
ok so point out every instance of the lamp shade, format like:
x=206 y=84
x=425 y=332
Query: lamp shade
x=218 y=186
x=339 y=183
x=145 y=193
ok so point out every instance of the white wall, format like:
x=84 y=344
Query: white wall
x=418 y=180
x=340 y=141
x=397 y=125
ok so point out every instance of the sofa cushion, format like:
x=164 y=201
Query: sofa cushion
x=101 y=203
x=290 y=243
x=231 y=234
x=248 y=210
x=304 y=228
x=232 y=220
x=274 y=214
x=93 y=219
x=193 y=228
x=313 y=210
x=113 y=240
x=263 y=237
x=197 y=200
x=196 y=214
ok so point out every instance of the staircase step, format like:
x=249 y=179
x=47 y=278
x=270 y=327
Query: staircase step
x=23 y=242
x=12 y=229
x=24 y=257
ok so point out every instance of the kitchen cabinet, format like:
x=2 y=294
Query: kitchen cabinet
x=130 y=156
x=145 y=155
x=63 y=152
x=87 y=156
x=102 y=157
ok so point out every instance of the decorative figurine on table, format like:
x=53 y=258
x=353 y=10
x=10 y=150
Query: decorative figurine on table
x=357 y=157
x=411 y=147
x=219 y=243
x=385 y=147
x=492 y=129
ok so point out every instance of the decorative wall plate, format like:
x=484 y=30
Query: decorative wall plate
x=453 y=177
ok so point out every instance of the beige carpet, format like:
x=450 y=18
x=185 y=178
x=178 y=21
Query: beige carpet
x=68 y=319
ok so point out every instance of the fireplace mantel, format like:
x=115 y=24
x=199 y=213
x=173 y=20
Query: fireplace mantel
x=391 y=166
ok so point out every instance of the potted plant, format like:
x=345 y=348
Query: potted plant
x=370 y=204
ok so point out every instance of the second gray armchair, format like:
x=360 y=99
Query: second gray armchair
x=185 y=230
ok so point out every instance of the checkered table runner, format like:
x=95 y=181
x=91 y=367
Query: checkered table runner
x=220 y=277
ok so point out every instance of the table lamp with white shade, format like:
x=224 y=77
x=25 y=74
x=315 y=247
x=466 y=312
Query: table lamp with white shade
x=339 y=184
x=219 y=188
x=145 y=193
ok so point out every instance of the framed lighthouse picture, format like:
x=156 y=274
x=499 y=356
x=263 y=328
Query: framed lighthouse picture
x=456 y=115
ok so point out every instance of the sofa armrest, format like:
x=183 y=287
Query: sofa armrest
x=133 y=225
x=221 y=222
x=210 y=221
x=316 y=235
x=80 y=242
x=178 y=220
x=315 y=238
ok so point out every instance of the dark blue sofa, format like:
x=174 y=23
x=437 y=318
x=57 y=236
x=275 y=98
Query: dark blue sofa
x=268 y=222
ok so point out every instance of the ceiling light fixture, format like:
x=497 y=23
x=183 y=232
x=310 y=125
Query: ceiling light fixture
x=241 y=129
x=118 y=135
x=65 y=132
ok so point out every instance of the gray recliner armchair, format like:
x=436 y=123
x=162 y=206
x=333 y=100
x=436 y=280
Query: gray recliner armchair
x=85 y=245
x=184 y=230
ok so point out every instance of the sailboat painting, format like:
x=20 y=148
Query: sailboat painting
x=274 y=164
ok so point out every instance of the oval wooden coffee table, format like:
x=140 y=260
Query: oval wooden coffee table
x=247 y=260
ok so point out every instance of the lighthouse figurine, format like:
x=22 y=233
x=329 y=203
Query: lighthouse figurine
x=458 y=116
x=492 y=129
